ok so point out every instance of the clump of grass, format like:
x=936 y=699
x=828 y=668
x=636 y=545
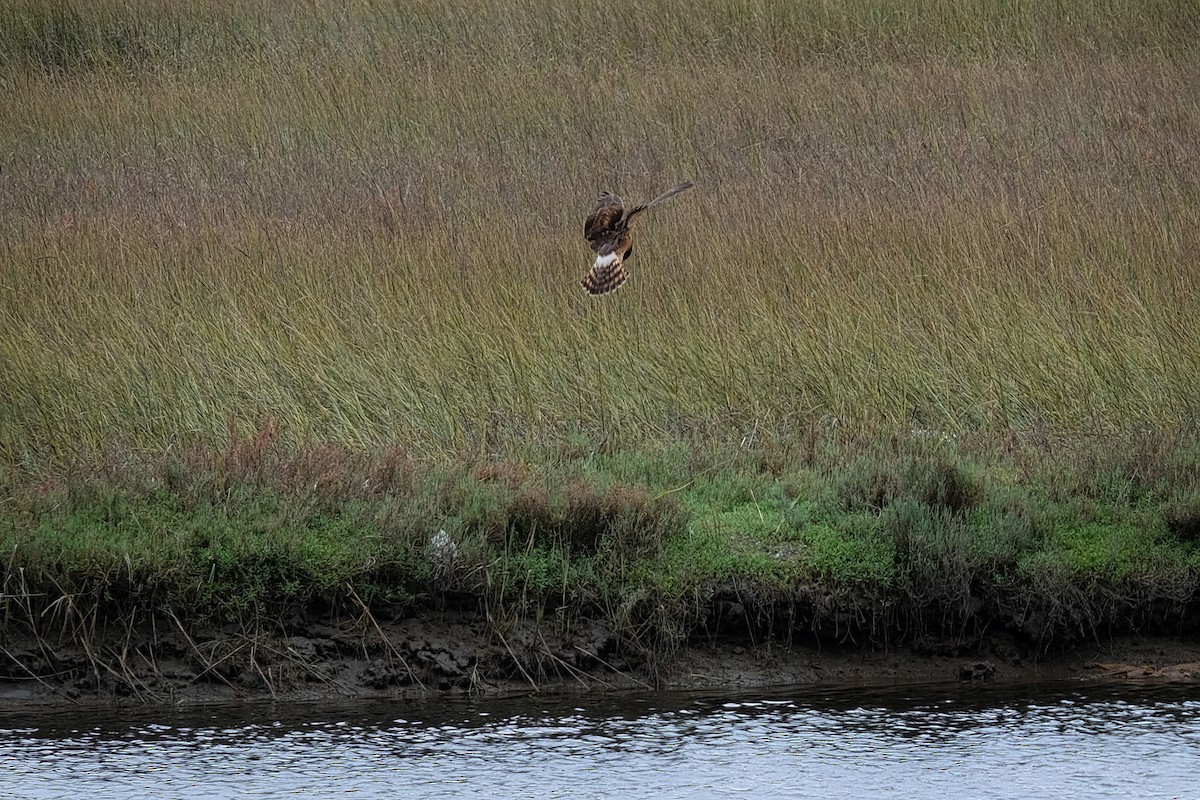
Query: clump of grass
x=60 y=40
x=946 y=485
x=1182 y=515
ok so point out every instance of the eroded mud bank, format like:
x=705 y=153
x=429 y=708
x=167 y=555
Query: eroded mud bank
x=384 y=652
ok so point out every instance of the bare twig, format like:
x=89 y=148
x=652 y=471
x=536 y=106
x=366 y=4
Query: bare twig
x=35 y=676
x=290 y=656
x=253 y=640
x=123 y=677
x=576 y=673
x=127 y=675
x=209 y=666
x=516 y=660
x=388 y=642
x=614 y=669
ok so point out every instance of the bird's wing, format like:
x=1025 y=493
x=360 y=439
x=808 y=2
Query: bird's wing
x=599 y=227
x=667 y=195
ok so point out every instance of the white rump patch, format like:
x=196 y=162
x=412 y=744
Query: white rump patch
x=603 y=262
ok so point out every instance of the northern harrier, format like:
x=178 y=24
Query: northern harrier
x=607 y=231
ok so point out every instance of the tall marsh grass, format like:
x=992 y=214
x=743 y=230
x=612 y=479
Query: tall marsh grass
x=363 y=220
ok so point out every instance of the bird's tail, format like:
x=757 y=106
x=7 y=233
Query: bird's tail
x=667 y=195
x=606 y=275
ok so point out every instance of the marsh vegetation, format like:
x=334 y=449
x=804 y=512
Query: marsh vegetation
x=290 y=288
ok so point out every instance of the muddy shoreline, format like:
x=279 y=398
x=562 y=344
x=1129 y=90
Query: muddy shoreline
x=451 y=653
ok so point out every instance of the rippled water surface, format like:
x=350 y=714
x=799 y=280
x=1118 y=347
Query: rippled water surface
x=1047 y=741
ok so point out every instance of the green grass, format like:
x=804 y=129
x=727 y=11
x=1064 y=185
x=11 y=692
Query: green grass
x=288 y=289
x=265 y=526
x=364 y=220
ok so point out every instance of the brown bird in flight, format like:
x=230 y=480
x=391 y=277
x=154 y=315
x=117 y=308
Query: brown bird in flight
x=607 y=231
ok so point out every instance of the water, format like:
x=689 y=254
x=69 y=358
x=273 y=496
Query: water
x=1058 y=741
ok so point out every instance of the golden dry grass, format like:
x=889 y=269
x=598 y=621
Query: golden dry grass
x=364 y=221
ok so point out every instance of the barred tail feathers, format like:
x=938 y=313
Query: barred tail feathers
x=606 y=275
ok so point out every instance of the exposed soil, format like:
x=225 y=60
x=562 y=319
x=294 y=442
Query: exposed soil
x=462 y=652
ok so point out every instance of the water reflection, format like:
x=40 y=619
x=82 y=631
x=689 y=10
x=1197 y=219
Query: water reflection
x=977 y=742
